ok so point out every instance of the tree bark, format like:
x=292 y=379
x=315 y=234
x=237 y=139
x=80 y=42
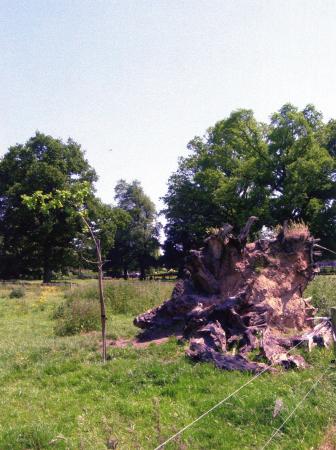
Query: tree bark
x=47 y=272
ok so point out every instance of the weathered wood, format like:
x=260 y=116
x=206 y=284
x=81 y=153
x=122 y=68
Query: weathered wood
x=242 y=297
x=225 y=231
x=200 y=273
x=246 y=230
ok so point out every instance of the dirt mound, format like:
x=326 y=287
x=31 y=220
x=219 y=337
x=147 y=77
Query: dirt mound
x=240 y=297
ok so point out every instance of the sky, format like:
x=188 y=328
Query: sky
x=133 y=81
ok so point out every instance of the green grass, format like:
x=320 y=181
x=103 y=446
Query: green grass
x=323 y=293
x=131 y=297
x=56 y=394
x=80 y=311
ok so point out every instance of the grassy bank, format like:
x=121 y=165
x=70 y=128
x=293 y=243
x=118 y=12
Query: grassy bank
x=56 y=394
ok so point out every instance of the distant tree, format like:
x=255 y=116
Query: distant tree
x=223 y=180
x=284 y=170
x=36 y=241
x=136 y=245
x=106 y=221
x=102 y=229
x=33 y=242
x=328 y=137
x=303 y=170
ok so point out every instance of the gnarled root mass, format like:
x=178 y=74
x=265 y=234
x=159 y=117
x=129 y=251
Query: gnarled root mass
x=241 y=297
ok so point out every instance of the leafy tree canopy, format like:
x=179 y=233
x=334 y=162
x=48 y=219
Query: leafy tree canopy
x=242 y=167
x=38 y=225
x=138 y=244
x=97 y=217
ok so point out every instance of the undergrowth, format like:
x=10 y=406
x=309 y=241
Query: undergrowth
x=76 y=316
x=130 y=297
x=80 y=312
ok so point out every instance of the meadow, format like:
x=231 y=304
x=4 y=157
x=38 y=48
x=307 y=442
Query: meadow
x=56 y=393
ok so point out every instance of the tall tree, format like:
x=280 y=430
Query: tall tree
x=303 y=185
x=137 y=245
x=225 y=179
x=36 y=243
x=241 y=167
x=76 y=200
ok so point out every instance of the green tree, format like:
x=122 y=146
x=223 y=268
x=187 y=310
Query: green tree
x=105 y=221
x=100 y=229
x=225 y=179
x=303 y=188
x=283 y=170
x=137 y=245
x=35 y=243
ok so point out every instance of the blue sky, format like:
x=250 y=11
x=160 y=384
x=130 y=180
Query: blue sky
x=144 y=77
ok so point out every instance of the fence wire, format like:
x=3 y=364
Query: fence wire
x=217 y=405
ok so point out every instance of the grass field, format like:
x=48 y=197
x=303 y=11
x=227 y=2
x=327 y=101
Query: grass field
x=56 y=394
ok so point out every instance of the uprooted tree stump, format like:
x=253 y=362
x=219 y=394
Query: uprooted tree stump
x=239 y=297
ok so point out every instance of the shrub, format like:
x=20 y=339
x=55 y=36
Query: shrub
x=17 y=292
x=76 y=316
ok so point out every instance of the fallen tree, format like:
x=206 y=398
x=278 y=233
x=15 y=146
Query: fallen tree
x=240 y=297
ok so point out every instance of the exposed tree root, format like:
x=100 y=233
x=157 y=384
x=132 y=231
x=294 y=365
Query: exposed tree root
x=243 y=297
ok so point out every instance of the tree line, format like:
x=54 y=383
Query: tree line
x=281 y=170
x=277 y=171
x=39 y=242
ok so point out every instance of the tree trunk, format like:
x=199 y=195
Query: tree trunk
x=181 y=272
x=142 y=271
x=125 y=273
x=47 y=272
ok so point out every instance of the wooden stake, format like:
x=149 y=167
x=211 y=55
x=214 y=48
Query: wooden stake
x=101 y=299
x=99 y=263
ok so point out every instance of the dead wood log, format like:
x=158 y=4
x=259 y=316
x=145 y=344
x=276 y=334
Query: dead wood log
x=242 y=297
x=199 y=351
x=201 y=276
x=243 y=235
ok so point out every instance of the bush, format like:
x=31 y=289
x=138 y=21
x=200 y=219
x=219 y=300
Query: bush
x=76 y=316
x=17 y=292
